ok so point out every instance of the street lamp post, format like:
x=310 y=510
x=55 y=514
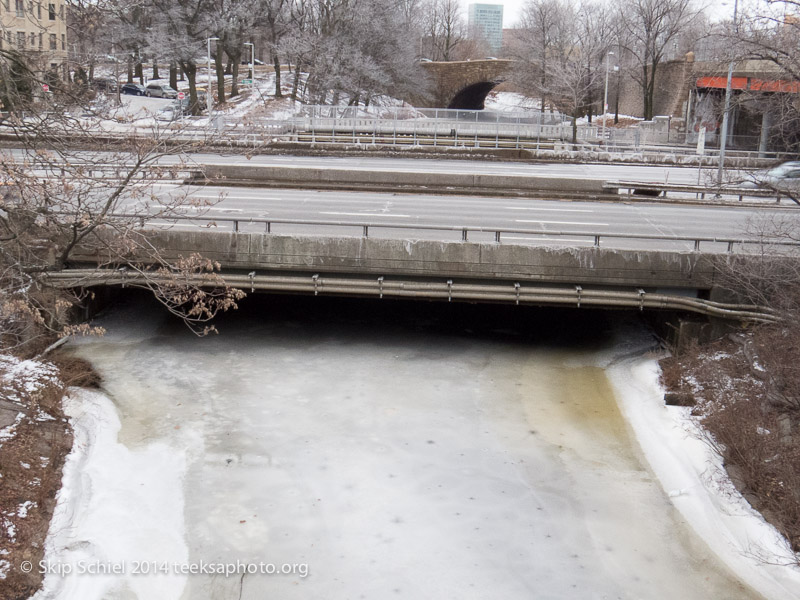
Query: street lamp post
x=723 y=142
x=116 y=79
x=116 y=69
x=605 y=98
x=209 y=95
x=252 y=59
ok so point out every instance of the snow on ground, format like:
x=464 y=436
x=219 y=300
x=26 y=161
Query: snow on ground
x=24 y=376
x=21 y=384
x=695 y=480
x=117 y=506
x=511 y=102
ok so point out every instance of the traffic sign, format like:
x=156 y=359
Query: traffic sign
x=246 y=81
x=181 y=95
x=45 y=87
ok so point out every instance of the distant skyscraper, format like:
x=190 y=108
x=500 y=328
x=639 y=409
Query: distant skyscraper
x=488 y=18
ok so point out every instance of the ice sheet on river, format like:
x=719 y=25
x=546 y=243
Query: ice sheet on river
x=394 y=464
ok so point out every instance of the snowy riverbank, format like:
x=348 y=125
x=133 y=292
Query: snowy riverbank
x=696 y=483
x=116 y=507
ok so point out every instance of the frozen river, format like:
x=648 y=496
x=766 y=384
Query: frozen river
x=394 y=452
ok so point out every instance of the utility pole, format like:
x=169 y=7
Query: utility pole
x=605 y=98
x=723 y=142
x=209 y=94
x=116 y=70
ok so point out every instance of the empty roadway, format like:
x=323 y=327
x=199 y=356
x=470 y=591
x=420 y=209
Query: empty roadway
x=409 y=210
x=604 y=171
x=489 y=167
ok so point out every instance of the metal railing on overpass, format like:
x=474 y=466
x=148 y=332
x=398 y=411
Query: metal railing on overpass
x=436 y=127
x=408 y=126
x=462 y=233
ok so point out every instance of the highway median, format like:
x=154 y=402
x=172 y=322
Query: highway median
x=402 y=181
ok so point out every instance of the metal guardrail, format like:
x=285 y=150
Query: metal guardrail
x=403 y=126
x=637 y=187
x=490 y=291
x=465 y=231
x=119 y=171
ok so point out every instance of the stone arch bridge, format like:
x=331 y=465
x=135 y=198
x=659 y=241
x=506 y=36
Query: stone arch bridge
x=463 y=84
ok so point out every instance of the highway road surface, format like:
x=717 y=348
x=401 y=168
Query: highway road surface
x=397 y=215
x=606 y=171
x=570 y=170
x=521 y=220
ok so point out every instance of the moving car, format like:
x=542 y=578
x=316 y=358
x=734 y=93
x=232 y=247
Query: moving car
x=160 y=90
x=171 y=112
x=785 y=176
x=133 y=89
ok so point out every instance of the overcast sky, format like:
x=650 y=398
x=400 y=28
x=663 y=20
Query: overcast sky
x=512 y=9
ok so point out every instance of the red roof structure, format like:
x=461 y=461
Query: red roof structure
x=750 y=84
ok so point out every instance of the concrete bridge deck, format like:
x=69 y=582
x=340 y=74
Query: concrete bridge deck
x=422 y=269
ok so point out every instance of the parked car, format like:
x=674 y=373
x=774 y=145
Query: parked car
x=104 y=84
x=160 y=90
x=785 y=176
x=133 y=89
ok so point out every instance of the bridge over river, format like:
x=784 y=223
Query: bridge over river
x=276 y=241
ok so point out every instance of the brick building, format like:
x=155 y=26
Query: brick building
x=38 y=30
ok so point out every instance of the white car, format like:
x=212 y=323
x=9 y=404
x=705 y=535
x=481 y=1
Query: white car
x=171 y=112
x=160 y=90
x=784 y=177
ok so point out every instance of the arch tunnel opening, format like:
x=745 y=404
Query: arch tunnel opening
x=473 y=96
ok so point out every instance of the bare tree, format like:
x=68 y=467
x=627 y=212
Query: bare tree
x=570 y=82
x=277 y=19
x=444 y=29
x=178 y=34
x=56 y=201
x=87 y=24
x=653 y=26
x=351 y=50
x=544 y=37
x=594 y=37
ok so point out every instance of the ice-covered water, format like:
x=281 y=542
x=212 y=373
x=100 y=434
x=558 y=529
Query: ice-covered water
x=401 y=454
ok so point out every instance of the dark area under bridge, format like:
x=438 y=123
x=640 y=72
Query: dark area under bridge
x=461 y=85
x=472 y=97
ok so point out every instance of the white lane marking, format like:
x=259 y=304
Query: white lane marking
x=360 y=214
x=581 y=210
x=561 y=222
x=228 y=197
x=212 y=209
x=546 y=239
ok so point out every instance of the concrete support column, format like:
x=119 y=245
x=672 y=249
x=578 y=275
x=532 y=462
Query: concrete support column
x=766 y=123
x=688 y=116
